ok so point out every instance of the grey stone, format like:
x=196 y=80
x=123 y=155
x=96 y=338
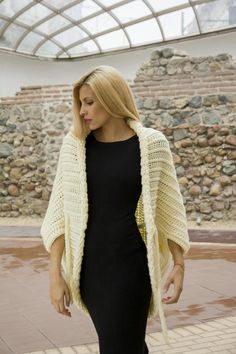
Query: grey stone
x=11 y=128
x=180 y=171
x=3 y=121
x=230 y=66
x=195 y=102
x=37 y=112
x=165 y=103
x=178 y=120
x=234 y=189
x=227 y=163
x=230 y=98
x=149 y=71
x=168 y=52
x=222 y=98
x=155 y=54
x=203 y=67
x=37 y=125
x=22 y=128
x=229 y=170
x=223 y=56
x=139 y=102
x=180 y=53
x=6 y=150
x=194 y=119
x=211 y=117
x=161 y=71
x=150 y=103
x=218 y=215
x=166 y=119
x=163 y=61
x=180 y=134
x=2 y=129
x=62 y=108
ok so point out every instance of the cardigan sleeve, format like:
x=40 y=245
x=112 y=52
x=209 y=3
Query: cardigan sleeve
x=54 y=222
x=170 y=211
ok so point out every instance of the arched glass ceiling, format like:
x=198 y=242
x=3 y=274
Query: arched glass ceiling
x=67 y=29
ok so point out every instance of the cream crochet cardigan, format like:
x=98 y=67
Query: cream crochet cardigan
x=160 y=212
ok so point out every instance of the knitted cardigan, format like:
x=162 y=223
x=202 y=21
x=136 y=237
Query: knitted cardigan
x=160 y=212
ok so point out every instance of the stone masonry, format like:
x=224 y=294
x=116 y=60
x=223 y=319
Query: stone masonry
x=192 y=100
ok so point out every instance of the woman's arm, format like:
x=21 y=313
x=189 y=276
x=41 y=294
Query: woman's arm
x=59 y=290
x=56 y=255
x=177 y=252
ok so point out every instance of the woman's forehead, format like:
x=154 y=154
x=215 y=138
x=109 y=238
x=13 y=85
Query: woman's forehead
x=85 y=90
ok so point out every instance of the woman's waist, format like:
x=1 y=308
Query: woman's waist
x=113 y=226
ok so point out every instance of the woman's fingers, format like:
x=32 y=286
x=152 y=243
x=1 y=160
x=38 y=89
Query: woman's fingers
x=60 y=308
x=60 y=295
x=173 y=299
x=176 y=277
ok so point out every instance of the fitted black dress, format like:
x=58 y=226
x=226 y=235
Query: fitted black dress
x=115 y=283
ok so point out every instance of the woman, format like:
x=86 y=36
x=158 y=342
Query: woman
x=115 y=216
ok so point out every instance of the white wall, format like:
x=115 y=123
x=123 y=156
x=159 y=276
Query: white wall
x=17 y=71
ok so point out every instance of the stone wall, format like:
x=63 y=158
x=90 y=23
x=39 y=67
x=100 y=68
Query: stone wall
x=192 y=100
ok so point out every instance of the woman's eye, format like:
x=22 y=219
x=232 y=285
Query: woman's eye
x=90 y=103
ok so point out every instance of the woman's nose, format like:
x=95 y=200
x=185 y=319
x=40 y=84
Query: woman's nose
x=82 y=111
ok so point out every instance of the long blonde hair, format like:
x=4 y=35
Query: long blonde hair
x=111 y=90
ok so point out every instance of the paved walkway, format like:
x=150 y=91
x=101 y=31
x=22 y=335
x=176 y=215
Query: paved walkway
x=195 y=235
x=29 y=323
x=217 y=336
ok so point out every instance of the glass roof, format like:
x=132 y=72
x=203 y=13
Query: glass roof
x=68 y=29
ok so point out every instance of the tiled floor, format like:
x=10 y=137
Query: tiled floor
x=29 y=323
x=217 y=336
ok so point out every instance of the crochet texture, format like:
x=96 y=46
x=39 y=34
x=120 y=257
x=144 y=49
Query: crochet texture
x=160 y=212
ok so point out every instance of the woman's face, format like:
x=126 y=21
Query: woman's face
x=91 y=110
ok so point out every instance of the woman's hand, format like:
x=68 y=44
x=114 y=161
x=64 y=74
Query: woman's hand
x=59 y=292
x=176 y=277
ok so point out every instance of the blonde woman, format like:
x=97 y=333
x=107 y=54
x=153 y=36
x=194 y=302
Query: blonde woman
x=115 y=217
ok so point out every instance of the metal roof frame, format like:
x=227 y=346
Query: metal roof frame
x=63 y=50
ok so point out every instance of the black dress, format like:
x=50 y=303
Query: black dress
x=115 y=283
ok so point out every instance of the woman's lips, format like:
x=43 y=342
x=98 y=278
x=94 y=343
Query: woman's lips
x=87 y=121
